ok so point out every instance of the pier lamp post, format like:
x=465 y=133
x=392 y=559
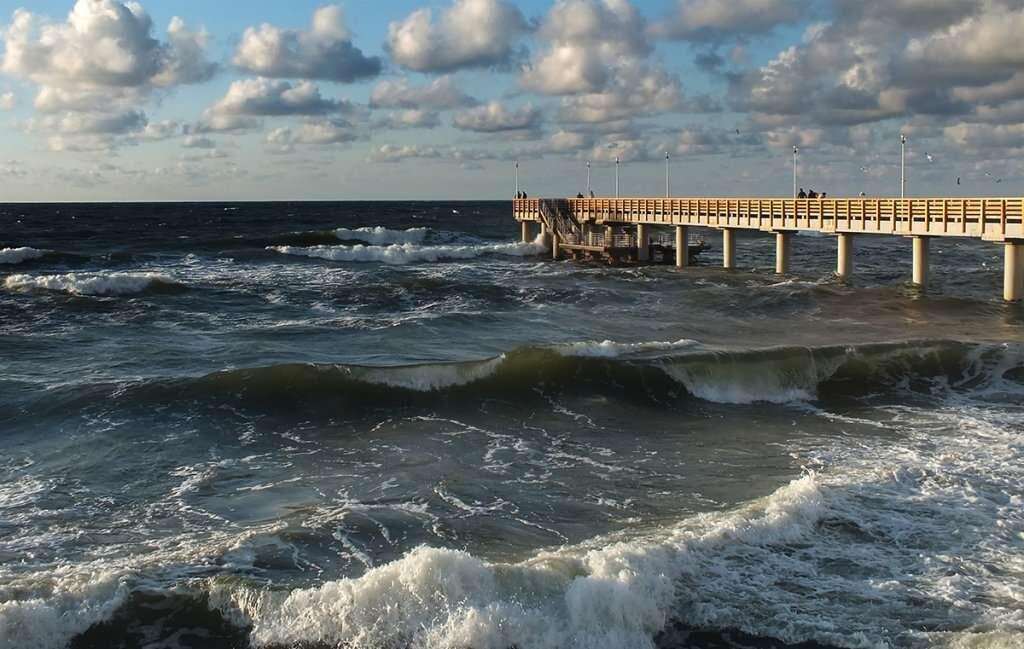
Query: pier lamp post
x=588 y=178
x=796 y=153
x=903 y=165
x=668 y=184
x=517 y=178
x=616 y=176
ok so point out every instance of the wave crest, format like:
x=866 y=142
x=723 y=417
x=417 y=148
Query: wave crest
x=19 y=255
x=379 y=235
x=92 y=284
x=409 y=253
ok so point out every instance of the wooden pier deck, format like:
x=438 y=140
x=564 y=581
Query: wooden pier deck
x=577 y=221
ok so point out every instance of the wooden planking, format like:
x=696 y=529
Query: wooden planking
x=991 y=218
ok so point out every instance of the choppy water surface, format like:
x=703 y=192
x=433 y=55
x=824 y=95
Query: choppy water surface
x=393 y=425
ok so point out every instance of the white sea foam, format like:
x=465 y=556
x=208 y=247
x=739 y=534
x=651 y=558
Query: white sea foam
x=408 y=253
x=611 y=349
x=90 y=283
x=380 y=236
x=19 y=255
x=852 y=555
x=428 y=377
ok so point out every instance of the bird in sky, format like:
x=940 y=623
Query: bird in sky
x=929 y=157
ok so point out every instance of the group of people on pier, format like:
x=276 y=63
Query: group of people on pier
x=810 y=194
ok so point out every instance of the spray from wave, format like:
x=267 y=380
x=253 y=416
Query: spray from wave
x=19 y=255
x=379 y=236
x=409 y=253
x=92 y=284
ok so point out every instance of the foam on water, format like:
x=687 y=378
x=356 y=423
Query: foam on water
x=19 y=255
x=380 y=236
x=611 y=349
x=408 y=253
x=849 y=555
x=91 y=283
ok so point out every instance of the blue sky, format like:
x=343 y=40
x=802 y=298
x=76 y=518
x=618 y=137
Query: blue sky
x=205 y=101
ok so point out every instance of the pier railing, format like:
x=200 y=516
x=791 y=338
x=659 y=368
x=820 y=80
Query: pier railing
x=993 y=219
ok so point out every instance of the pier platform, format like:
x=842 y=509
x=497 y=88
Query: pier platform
x=609 y=227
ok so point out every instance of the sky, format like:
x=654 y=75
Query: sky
x=102 y=100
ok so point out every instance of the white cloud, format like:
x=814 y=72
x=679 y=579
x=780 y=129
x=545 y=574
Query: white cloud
x=469 y=33
x=324 y=52
x=198 y=142
x=494 y=117
x=315 y=132
x=267 y=97
x=589 y=40
x=408 y=119
x=439 y=94
x=7 y=101
x=713 y=20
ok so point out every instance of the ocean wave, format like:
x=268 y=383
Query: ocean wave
x=409 y=253
x=379 y=236
x=612 y=349
x=683 y=370
x=93 y=284
x=19 y=255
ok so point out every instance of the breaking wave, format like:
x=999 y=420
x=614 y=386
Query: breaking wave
x=379 y=236
x=92 y=284
x=409 y=253
x=686 y=371
x=19 y=255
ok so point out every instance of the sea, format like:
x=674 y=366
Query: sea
x=394 y=425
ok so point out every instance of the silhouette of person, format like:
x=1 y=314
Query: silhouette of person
x=812 y=194
x=802 y=193
x=823 y=195
x=579 y=194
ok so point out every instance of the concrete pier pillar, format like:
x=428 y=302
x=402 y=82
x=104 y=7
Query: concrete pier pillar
x=682 y=247
x=527 y=229
x=921 y=250
x=844 y=266
x=1013 y=272
x=728 y=248
x=554 y=246
x=643 y=243
x=783 y=242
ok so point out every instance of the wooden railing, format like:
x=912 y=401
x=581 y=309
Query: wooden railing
x=994 y=219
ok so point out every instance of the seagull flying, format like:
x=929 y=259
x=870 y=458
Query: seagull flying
x=929 y=156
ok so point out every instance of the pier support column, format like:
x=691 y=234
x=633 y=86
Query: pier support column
x=921 y=250
x=844 y=266
x=682 y=247
x=783 y=242
x=527 y=229
x=643 y=243
x=1013 y=272
x=728 y=248
x=554 y=246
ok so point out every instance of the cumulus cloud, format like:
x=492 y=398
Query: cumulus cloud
x=587 y=41
x=440 y=94
x=469 y=33
x=198 y=142
x=95 y=68
x=495 y=117
x=394 y=153
x=268 y=97
x=314 y=132
x=7 y=101
x=716 y=20
x=408 y=119
x=324 y=51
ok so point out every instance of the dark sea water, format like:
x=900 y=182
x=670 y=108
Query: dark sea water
x=391 y=425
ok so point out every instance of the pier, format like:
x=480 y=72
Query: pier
x=618 y=229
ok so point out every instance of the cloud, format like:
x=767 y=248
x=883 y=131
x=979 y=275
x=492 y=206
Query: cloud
x=217 y=123
x=494 y=117
x=440 y=94
x=97 y=67
x=324 y=52
x=7 y=101
x=588 y=40
x=198 y=142
x=268 y=97
x=469 y=33
x=408 y=119
x=717 y=20
x=393 y=153
x=314 y=132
